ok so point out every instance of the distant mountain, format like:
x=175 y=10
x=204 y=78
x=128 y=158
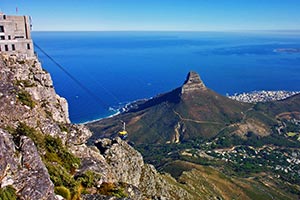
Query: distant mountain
x=193 y=111
x=215 y=146
x=187 y=112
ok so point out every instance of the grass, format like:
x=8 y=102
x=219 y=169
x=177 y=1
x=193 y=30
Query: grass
x=204 y=182
x=25 y=98
x=88 y=179
x=63 y=191
x=24 y=83
x=8 y=193
x=112 y=189
x=291 y=134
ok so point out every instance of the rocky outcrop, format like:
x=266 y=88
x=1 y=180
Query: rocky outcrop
x=192 y=83
x=101 y=197
x=27 y=95
x=125 y=162
x=92 y=160
x=128 y=166
x=22 y=167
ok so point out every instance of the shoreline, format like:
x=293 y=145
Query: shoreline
x=95 y=120
x=248 y=97
x=126 y=107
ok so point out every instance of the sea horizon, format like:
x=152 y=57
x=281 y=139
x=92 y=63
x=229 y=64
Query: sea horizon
x=124 y=66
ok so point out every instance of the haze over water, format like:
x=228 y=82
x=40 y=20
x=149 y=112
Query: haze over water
x=120 y=67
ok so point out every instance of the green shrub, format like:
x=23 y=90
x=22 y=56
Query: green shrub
x=63 y=128
x=8 y=193
x=63 y=191
x=112 y=190
x=52 y=144
x=56 y=152
x=25 y=83
x=88 y=179
x=60 y=175
x=119 y=193
x=25 y=130
x=61 y=164
x=106 y=188
x=25 y=98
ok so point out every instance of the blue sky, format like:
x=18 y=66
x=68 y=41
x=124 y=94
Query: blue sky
x=164 y=15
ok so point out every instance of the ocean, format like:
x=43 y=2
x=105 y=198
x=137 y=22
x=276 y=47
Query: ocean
x=115 y=68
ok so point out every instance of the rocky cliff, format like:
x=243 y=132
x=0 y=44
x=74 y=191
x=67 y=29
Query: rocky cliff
x=192 y=83
x=128 y=167
x=43 y=156
x=22 y=167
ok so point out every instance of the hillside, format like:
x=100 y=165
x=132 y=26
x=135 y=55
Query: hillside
x=193 y=111
x=213 y=145
x=188 y=112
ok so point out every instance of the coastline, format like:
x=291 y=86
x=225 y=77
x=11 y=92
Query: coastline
x=248 y=97
x=96 y=120
x=119 y=110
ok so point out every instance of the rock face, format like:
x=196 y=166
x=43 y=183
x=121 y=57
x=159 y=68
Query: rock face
x=128 y=166
x=125 y=162
x=192 y=83
x=23 y=168
x=28 y=96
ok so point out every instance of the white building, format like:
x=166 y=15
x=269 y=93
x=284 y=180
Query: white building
x=15 y=36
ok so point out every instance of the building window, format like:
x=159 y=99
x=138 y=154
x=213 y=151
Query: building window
x=2 y=37
x=13 y=47
x=4 y=16
x=9 y=37
x=28 y=46
x=17 y=37
x=6 y=47
x=1 y=29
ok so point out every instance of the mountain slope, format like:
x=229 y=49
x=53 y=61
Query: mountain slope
x=215 y=146
x=187 y=112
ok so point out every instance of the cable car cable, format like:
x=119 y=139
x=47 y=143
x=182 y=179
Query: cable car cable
x=83 y=87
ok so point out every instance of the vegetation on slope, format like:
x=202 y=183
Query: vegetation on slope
x=8 y=193
x=190 y=134
x=24 y=97
x=61 y=165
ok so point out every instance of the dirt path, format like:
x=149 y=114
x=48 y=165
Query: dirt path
x=196 y=121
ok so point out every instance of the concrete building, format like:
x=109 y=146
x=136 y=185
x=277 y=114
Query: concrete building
x=15 y=36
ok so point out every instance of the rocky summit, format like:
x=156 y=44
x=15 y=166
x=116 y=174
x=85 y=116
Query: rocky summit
x=192 y=83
